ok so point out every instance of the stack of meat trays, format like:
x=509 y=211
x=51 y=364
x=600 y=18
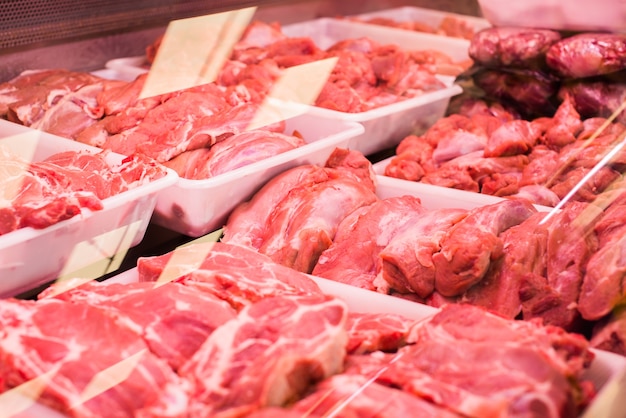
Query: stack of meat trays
x=426 y=21
x=80 y=208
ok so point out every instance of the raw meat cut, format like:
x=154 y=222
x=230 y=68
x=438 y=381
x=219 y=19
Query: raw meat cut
x=481 y=365
x=523 y=253
x=298 y=221
x=588 y=54
x=407 y=264
x=512 y=47
x=268 y=355
x=77 y=346
x=233 y=273
x=610 y=334
x=43 y=193
x=452 y=26
x=370 y=332
x=349 y=395
x=305 y=222
x=353 y=257
x=458 y=266
x=173 y=320
x=236 y=151
x=602 y=286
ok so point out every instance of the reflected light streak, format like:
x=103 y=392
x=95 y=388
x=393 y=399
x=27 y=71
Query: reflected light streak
x=110 y=377
x=19 y=149
x=289 y=95
x=184 y=260
x=194 y=50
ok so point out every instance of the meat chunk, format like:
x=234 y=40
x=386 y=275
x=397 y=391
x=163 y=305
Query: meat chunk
x=588 y=54
x=453 y=363
x=233 y=273
x=172 y=319
x=268 y=356
x=458 y=266
x=353 y=257
x=408 y=260
x=44 y=338
x=371 y=332
x=512 y=47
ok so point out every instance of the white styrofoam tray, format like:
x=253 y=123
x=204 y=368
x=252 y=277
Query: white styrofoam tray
x=197 y=207
x=606 y=368
x=570 y=15
x=30 y=257
x=430 y=17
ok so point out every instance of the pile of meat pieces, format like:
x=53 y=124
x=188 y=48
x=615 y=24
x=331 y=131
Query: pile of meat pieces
x=487 y=149
x=41 y=193
x=563 y=267
x=199 y=132
x=532 y=70
x=218 y=330
x=367 y=74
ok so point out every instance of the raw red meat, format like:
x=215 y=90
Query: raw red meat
x=458 y=266
x=481 y=365
x=74 y=344
x=407 y=262
x=298 y=221
x=268 y=356
x=346 y=396
x=602 y=286
x=305 y=222
x=173 y=320
x=370 y=332
x=40 y=194
x=588 y=54
x=236 y=274
x=353 y=257
x=512 y=47
x=237 y=151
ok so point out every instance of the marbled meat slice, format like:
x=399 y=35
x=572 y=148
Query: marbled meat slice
x=233 y=273
x=77 y=347
x=369 y=332
x=482 y=365
x=268 y=356
x=469 y=246
x=173 y=320
x=407 y=261
x=353 y=257
x=351 y=395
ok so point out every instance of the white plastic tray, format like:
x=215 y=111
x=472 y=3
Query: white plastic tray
x=387 y=125
x=197 y=207
x=430 y=17
x=30 y=257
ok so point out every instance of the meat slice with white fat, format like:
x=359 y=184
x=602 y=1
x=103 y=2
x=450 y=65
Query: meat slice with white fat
x=353 y=257
x=269 y=355
x=469 y=246
x=351 y=395
x=79 y=351
x=233 y=273
x=370 y=332
x=481 y=365
x=407 y=264
x=174 y=320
